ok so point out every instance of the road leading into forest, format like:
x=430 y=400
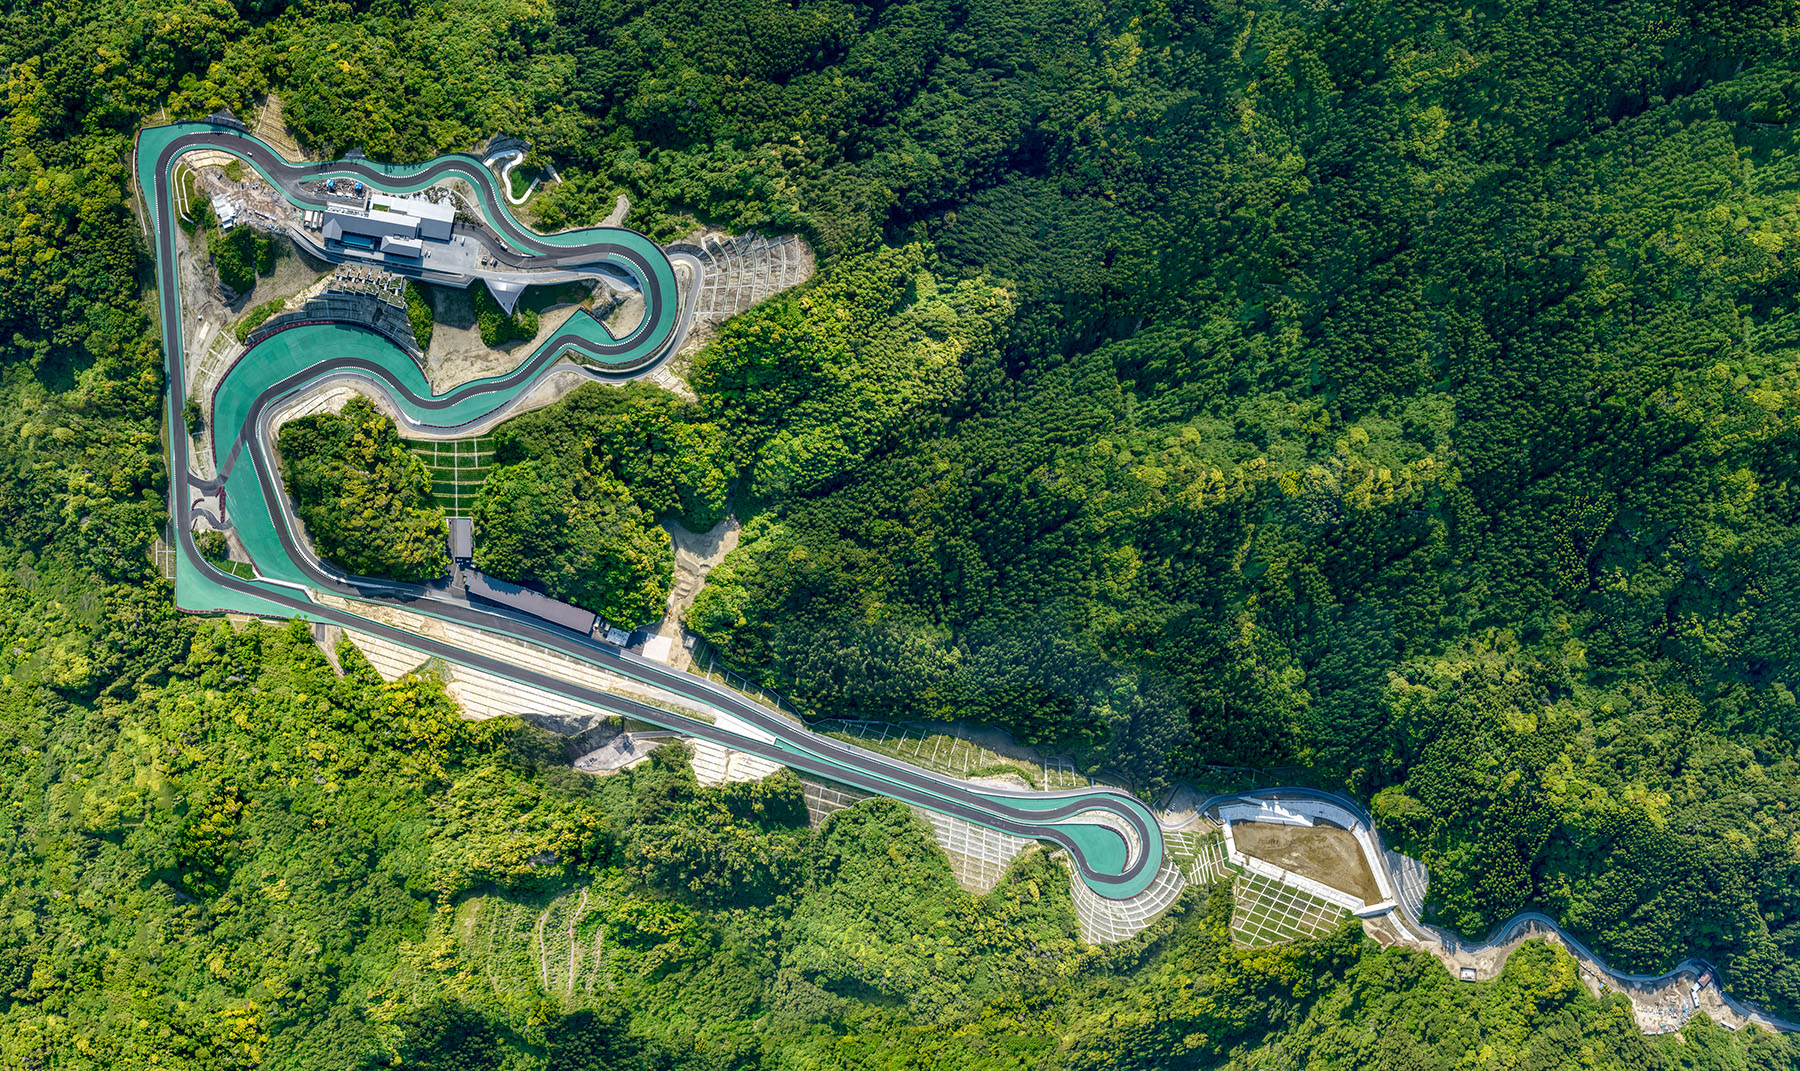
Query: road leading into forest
x=1112 y=838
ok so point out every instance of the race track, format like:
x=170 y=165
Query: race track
x=1113 y=839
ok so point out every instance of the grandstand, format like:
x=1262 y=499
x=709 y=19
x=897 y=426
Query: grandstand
x=337 y=306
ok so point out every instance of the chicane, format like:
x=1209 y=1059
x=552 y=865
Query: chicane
x=292 y=361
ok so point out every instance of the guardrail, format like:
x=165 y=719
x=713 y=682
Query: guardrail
x=704 y=664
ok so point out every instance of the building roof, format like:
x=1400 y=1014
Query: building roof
x=379 y=225
x=499 y=591
x=506 y=292
x=417 y=207
x=462 y=538
x=406 y=247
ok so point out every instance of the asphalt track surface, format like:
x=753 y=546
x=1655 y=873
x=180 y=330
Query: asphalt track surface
x=1101 y=856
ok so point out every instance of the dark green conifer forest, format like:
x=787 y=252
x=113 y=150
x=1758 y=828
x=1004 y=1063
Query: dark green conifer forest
x=1401 y=397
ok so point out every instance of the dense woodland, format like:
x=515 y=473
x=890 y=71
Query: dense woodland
x=580 y=537
x=1402 y=393
x=364 y=498
x=244 y=859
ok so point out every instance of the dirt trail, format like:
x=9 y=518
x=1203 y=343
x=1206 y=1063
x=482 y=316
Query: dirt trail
x=696 y=553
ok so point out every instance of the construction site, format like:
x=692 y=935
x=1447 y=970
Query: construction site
x=740 y=272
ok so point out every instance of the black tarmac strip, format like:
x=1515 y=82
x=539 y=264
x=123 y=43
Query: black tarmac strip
x=795 y=746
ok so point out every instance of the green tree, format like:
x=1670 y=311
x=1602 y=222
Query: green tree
x=498 y=327
x=256 y=317
x=674 y=458
x=588 y=1040
x=213 y=545
x=420 y=314
x=580 y=536
x=446 y=1036
x=364 y=497
x=240 y=255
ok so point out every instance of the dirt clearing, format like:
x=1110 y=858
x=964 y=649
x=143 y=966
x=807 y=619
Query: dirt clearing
x=1324 y=853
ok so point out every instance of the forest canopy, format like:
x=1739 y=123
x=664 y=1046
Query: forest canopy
x=364 y=497
x=356 y=875
x=579 y=536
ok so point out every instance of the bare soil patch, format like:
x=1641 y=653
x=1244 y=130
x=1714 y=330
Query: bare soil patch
x=1323 y=853
x=295 y=272
x=458 y=355
x=625 y=319
x=695 y=555
x=270 y=124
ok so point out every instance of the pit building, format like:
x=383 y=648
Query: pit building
x=392 y=226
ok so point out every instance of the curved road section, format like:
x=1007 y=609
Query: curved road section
x=1654 y=996
x=1113 y=839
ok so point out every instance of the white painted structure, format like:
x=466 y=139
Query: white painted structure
x=435 y=218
